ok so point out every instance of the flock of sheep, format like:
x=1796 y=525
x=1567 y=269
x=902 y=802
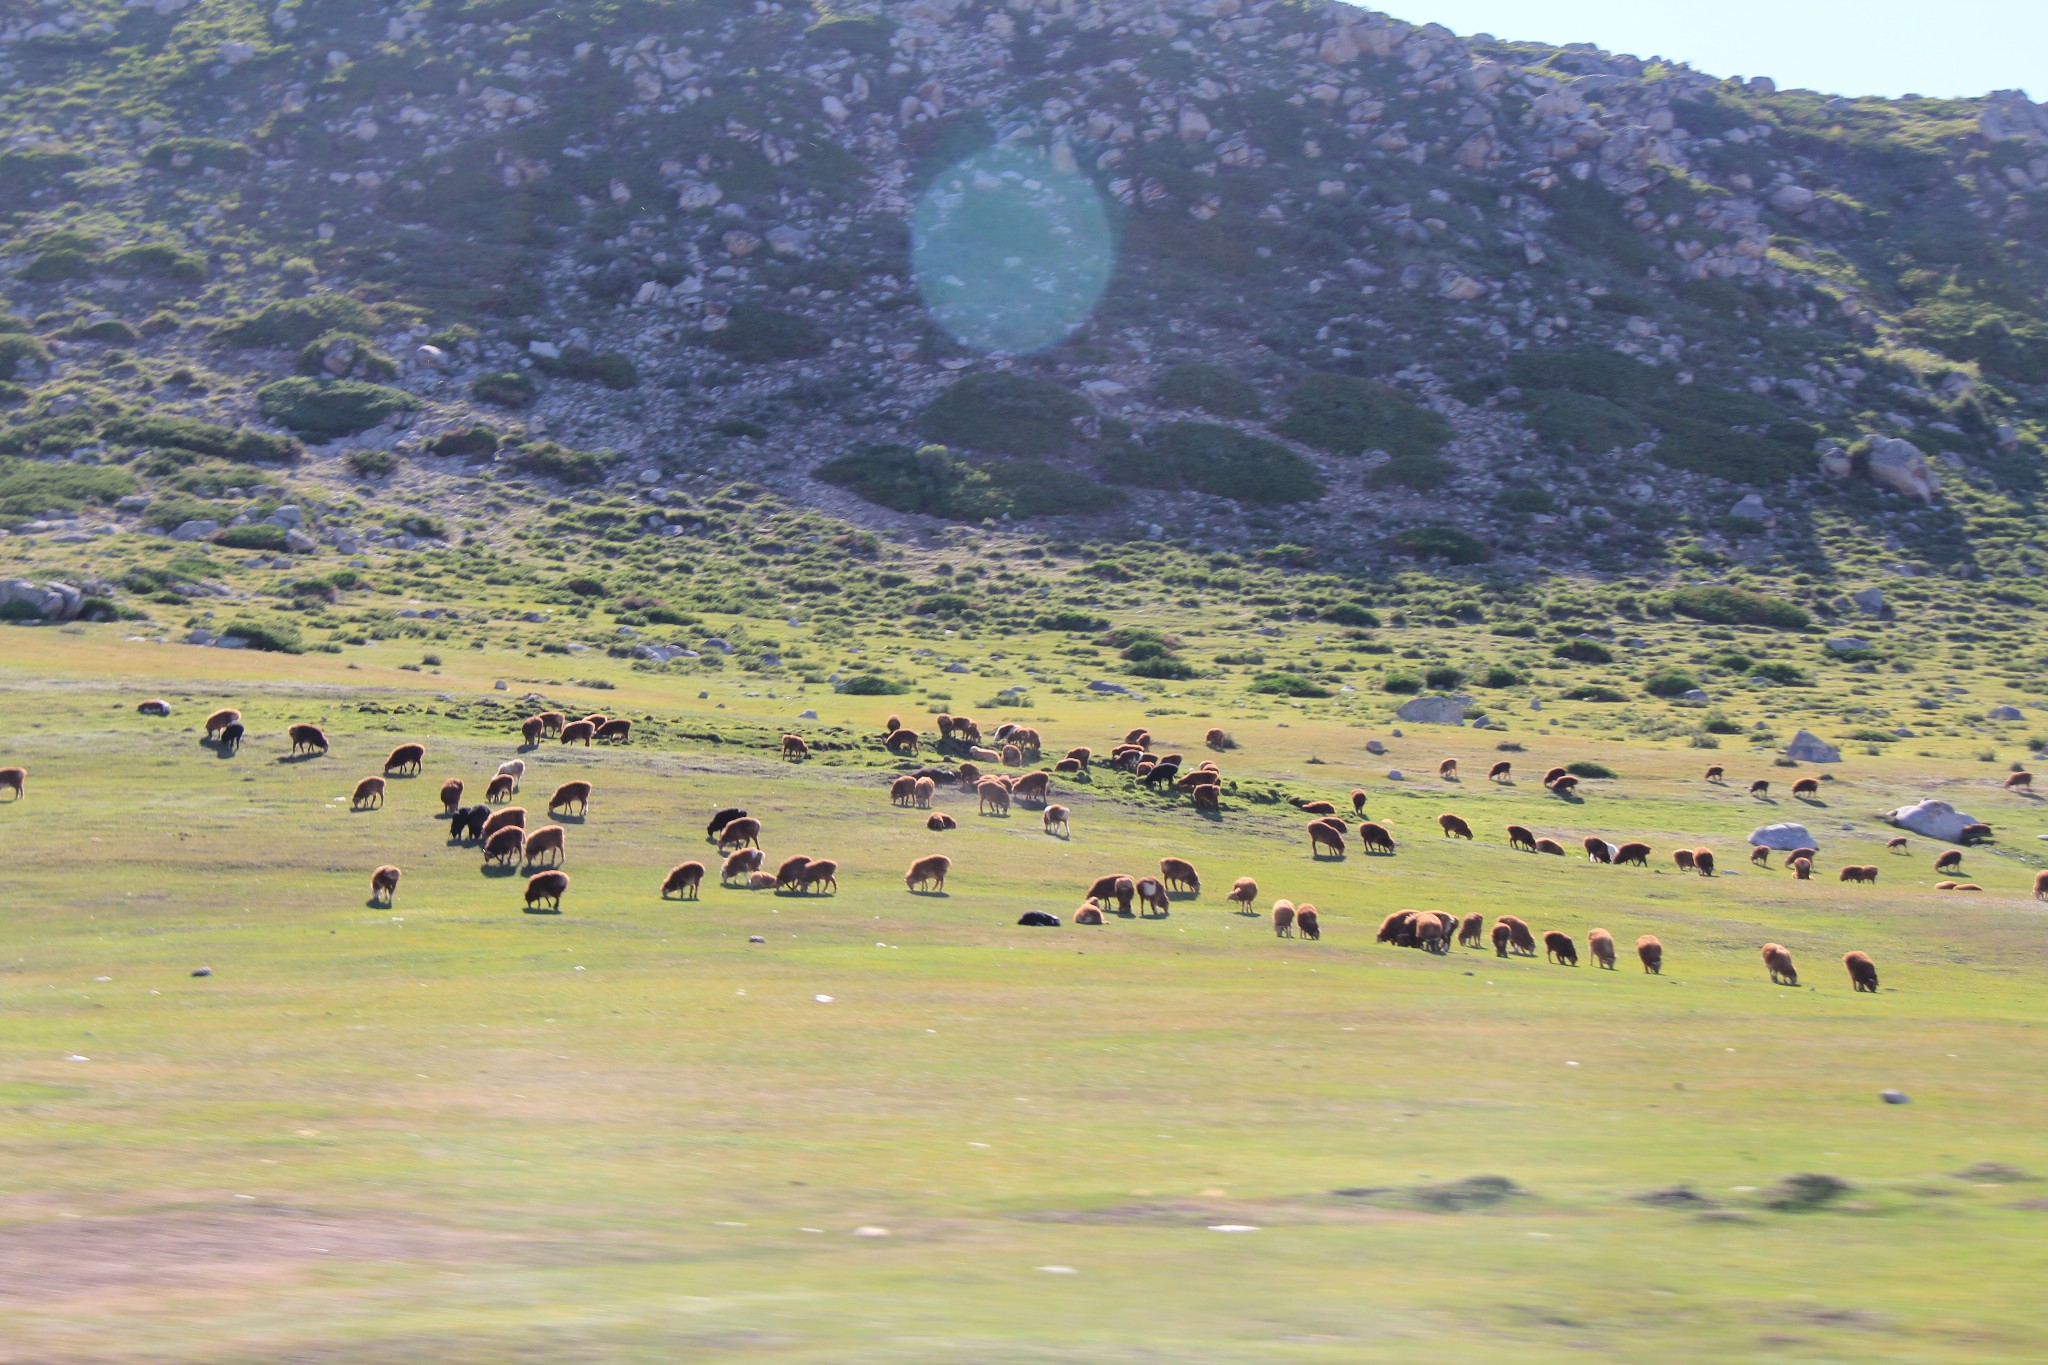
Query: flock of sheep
x=500 y=830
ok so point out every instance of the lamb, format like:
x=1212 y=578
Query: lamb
x=1703 y=861
x=547 y=839
x=823 y=872
x=1716 y=773
x=618 y=729
x=504 y=845
x=1898 y=845
x=1308 y=923
x=514 y=768
x=1565 y=786
x=1597 y=850
x=468 y=824
x=1321 y=839
x=1973 y=834
x=970 y=777
x=384 y=885
x=900 y=741
x=308 y=738
x=1551 y=775
x=921 y=792
x=993 y=798
x=738 y=865
x=1601 y=944
x=406 y=758
x=1376 y=837
x=575 y=794
x=1652 y=954
x=1089 y=913
x=500 y=788
x=231 y=736
x=1551 y=846
x=1559 y=948
x=1951 y=861
x=1317 y=807
x=1152 y=895
x=794 y=748
x=1179 y=875
x=1056 y=821
x=1013 y=756
x=1806 y=786
x=928 y=872
x=791 y=872
x=719 y=821
x=1219 y=740
x=1862 y=972
x=1454 y=827
x=1780 y=963
x=683 y=879
x=1472 y=930
x=941 y=821
x=579 y=730
x=1802 y=868
x=1430 y=933
x=594 y=720
x=1358 y=800
x=1068 y=767
x=1080 y=754
x=1760 y=788
x=1807 y=853
x=1140 y=737
x=1502 y=937
x=451 y=795
x=760 y=881
x=548 y=887
x=1632 y=855
x=1208 y=798
x=1522 y=837
x=1859 y=874
x=1760 y=856
x=1501 y=771
x=1448 y=770
x=1125 y=890
x=1244 y=891
x=745 y=830
x=369 y=792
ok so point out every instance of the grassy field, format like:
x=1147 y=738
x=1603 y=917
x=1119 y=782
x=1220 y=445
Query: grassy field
x=904 y=1129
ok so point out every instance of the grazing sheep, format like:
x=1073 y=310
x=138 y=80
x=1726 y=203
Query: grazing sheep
x=1780 y=963
x=1862 y=972
x=308 y=738
x=944 y=722
x=1358 y=800
x=2020 y=782
x=500 y=788
x=514 y=768
x=1125 y=891
x=1652 y=954
x=1309 y=923
x=1501 y=771
x=929 y=872
x=1208 y=798
x=548 y=839
x=1550 y=846
x=1376 y=838
x=14 y=780
x=1448 y=770
x=384 y=884
x=902 y=791
x=941 y=821
x=468 y=824
x=1454 y=826
x=1521 y=836
x=530 y=731
x=921 y=792
x=1034 y=787
x=1597 y=850
x=992 y=798
x=1716 y=773
x=716 y=825
x=1973 y=834
x=1502 y=937
x=967 y=729
x=791 y=872
x=1244 y=891
x=794 y=748
x=1806 y=786
x=2041 y=885
x=504 y=845
x=369 y=792
x=1808 y=853
x=1140 y=737
x=1856 y=874
x=1802 y=868
x=970 y=777
x=1322 y=838
x=1898 y=845
x=1056 y=821
x=1104 y=887
x=595 y=720
x=1524 y=937
x=1082 y=755
x=575 y=794
x=683 y=879
x=406 y=758
x=1013 y=756
x=1283 y=919
x=1068 y=767
x=451 y=795
x=551 y=722
x=823 y=872
x=220 y=720
x=1219 y=740
x=1760 y=856
x=1430 y=935
x=155 y=706
x=618 y=729
x=901 y=741
x=1550 y=776
x=546 y=886
x=1317 y=807
x=1632 y=855
x=1089 y=913
x=1200 y=777
x=1760 y=787
x=1703 y=861
x=1601 y=944
x=577 y=730
x=745 y=830
x=1179 y=875
x=231 y=736
x=1951 y=861
x=1472 y=930
x=1152 y=896
x=1565 y=786
x=1398 y=929
x=740 y=864
x=1560 y=949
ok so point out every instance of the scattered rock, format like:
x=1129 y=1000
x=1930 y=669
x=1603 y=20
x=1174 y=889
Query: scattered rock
x=1935 y=819
x=1870 y=601
x=1894 y=1097
x=1848 y=644
x=1809 y=748
x=1373 y=746
x=1783 y=837
x=1435 y=710
x=2006 y=713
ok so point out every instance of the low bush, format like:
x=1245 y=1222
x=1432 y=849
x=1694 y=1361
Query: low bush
x=1785 y=675
x=757 y=335
x=1208 y=458
x=1211 y=389
x=58 y=264
x=29 y=488
x=504 y=389
x=1726 y=606
x=275 y=638
x=198 y=154
x=240 y=445
x=1588 y=768
x=1420 y=472
x=1351 y=614
x=356 y=357
x=157 y=260
x=20 y=353
x=930 y=480
x=1443 y=542
x=467 y=442
x=1005 y=413
x=1584 y=652
x=1593 y=692
x=106 y=332
x=609 y=368
x=1287 y=685
x=550 y=460
x=873 y=685
x=1347 y=416
x=254 y=536
x=294 y=322
x=1443 y=676
x=1401 y=684
x=371 y=464
x=1669 y=683
x=323 y=410
x=1071 y=621
x=1499 y=675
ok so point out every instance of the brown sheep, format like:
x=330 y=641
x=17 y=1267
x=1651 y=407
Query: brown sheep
x=384 y=885
x=1081 y=754
x=1550 y=776
x=1597 y=850
x=1524 y=937
x=1502 y=937
x=993 y=798
x=1632 y=855
x=1779 y=960
x=941 y=821
x=530 y=731
x=930 y=872
x=546 y=886
x=2020 y=782
x=1125 y=891
x=1448 y=770
x=1806 y=786
x=1601 y=944
x=902 y=791
x=1331 y=822
x=308 y=738
x=575 y=794
x=1951 y=861
x=1317 y=807
x=595 y=720
x=793 y=747
x=1862 y=972
x=740 y=864
x=967 y=729
x=684 y=879
x=221 y=720
x=892 y=725
x=746 y=830
x=577 y=730
x=922 y=791
x=1501 y=771
x=499 y=788
x=970 y=777
x=369 y=792
x=1200 y=777
x=1966 y=886
x=1857 y=874
x=901 y=742
x=1802 y=868
x=1703 y=861
x=1056 y=820
x=1807 y=853
x=2041 y=885
x=551 y=722
x=1322 y=838
x=1033 y=787
x=944 y=722
x=1219 y=740
x=1760 y=856
x=406 y=758
x=514 y=768
x=1521 y=836
x=1973 y=834
x=1898 y=845
x=1244 y=891
x=548 y=839
x=981 y=755
x=1559 y=948
x=1179 y=875
x=1209 y=798
x=1140 y=737
x=504 y=845
x=823 y=872
x=1013 y=757
x=1760 y=787
x=1565 y=786
x=1430 y=935
x=1068 y=767
x=1309 y=923
x=1454 y=826
x=1089 y=913
x=512 y=817
x=1472 y=930
x=1376 y=837
x=1152 y=896
x=451 y=795
x=1716 y=773
x=1358 y=800
x=1652 y=954
x=1550 y=846
x=618 y=729
x=791 y=872
x=760 y=881
x=1398 y=929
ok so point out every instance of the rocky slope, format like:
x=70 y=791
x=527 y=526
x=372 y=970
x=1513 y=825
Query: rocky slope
x=1379 y=290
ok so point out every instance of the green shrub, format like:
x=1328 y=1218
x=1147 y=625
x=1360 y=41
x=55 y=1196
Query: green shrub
x=1593 y=692
x=158 y=260
x=1588 y=768
x=58 y=264
x=609 y=368
x=756 y=335
x=1584 y=651
x=1211 y=389
x=1721 y=725
x=20 y=611
x=1006 y=413
x=469 y=441
x=1725 y=606
x=1581 y=422
x=1784 y=674
x=1669 y=683
x=1351 y=614
x=277 y=638
x=945 y=604
x=365 y=361
x=549 y=460
x=294 y=322
x=254 y=536
x=1873 y=736
x=1420 y=472
x=1591 y=370
x=873 y=685
x=1401 y=683
x=1166 y=668
x=1071 y=621
x=1349 y=416
x=29 y=488
x=371 y=464
x=164 y=431
x=1499 y=675
x=19 y=353
x=323 y=410
x=1443 y=677
x=585 y=587
x=1442 y=542
x=1215 y=459
x=1524 y=500
x=867 y=35
x=930 y=480
x=505 y=389
x=198 y=154
x=1287 y=685
x=106 y=332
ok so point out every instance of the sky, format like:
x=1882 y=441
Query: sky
x=1840 y=47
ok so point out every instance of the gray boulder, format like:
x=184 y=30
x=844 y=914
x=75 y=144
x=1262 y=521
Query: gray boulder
x=299 y=543
x=1935 y=819
x=1810 y=748
x=195 y=530
x=1848 y=644
x=1870 y=601
x=1373 y=746
x=1784 y=838
x=2006 y=713
x=1751 y=508
x=1435 y=710
x=1699 y=696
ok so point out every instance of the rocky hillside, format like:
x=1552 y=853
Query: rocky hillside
x=1239 y=273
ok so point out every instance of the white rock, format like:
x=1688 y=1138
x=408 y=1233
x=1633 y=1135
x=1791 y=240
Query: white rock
x=1809 y=748
x=1781 y=837
x=1900 y=465
x=1194 y=125
x=237 y=54
x=1935 y=819
x=1435 y=710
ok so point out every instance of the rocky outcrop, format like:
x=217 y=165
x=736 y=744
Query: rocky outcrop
x=1935 y=819
x=1901 y=466
x=48 y=601
x=1809 y=748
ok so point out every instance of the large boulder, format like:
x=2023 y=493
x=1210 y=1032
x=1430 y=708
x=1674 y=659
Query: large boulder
x=1784 y=838
x=1809 y=748
x=48 y=601
x=1935 y=819
x=2006 y=713
x=1435 y=710
x=1899 y=465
